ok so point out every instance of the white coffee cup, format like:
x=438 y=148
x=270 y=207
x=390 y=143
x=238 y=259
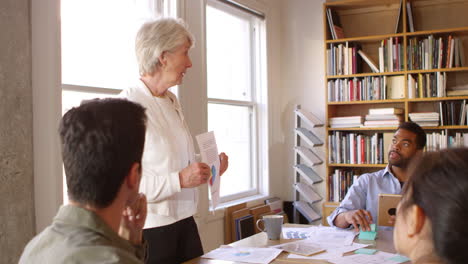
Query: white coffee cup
x=273 y=225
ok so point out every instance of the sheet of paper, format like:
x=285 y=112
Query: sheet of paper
x=332 y=251
x=244 y=254
x=209 y=154
x=297 y=232
x=377 y=258
x=331 y=235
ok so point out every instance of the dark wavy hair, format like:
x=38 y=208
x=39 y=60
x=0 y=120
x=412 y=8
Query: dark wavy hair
x=438 y=184
x=101 y=140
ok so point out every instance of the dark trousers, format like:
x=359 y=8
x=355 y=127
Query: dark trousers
x=174 y=243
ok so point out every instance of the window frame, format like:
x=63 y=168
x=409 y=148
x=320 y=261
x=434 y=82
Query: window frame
x=257 y=103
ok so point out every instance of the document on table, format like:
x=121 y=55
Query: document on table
x=209 y=154
x=331 y=235
x=244 y=254
x=333 y=251
x=321 y=234
x=297 y=232
x=377 y=258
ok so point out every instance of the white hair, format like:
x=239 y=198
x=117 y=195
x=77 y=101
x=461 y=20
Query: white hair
x=156 y=37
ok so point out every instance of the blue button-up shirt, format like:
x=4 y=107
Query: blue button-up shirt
x=364 y=193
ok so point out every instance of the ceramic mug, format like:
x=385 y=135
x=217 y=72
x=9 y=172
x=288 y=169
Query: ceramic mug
x=272 y=224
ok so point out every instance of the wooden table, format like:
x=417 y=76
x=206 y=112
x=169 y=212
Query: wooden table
x=384 y=242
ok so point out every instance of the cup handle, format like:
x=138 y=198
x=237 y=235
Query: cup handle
x=258 y=221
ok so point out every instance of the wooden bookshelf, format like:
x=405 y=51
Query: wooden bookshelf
x=368 y=23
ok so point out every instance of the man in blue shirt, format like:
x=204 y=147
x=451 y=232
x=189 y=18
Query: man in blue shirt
x=360 y=205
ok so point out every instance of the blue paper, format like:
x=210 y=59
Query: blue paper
x=366 y=251
x=399 y=259
x=369 y=235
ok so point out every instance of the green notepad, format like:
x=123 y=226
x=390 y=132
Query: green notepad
x=366 y=251
x=368 y=235
x=399 y=259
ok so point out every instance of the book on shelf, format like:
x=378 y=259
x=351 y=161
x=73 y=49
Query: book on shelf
x=381 y=123
x=410 y=16
x=385 y=111
x=425 y=119
x=369 y=61
x=334 y=24
x=346 y=121
x=308 y=155
x=396 y=87
x=399 y=23
x=339 y=183
x=308 y=137
x=387 y=142
x=309 y=118
x=460 y=90
x=307 y=193
x=307 y=211
x=308 y=173
x=374 y=117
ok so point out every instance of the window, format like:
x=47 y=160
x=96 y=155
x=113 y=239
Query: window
x=236 y=95
x=98 y=57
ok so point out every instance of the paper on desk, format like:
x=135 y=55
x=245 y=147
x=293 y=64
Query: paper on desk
x=377 y=258
x=209 y=154
x=320 y=234
x=297 y=232
x=334 y=251
x=332 y=235
x=244 y=254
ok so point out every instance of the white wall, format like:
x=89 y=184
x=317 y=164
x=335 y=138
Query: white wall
x=302 y=82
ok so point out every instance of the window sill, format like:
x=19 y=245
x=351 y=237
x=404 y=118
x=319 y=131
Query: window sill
x=219 y=212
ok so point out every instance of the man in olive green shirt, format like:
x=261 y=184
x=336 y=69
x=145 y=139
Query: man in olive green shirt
x=102 y=146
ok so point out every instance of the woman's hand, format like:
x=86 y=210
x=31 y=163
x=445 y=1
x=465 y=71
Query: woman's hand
x=224 y=163
x=133 y=220
x=194 y=175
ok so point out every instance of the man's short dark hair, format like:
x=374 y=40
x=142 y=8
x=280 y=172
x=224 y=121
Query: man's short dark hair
x=101 y=140
x=416 y=129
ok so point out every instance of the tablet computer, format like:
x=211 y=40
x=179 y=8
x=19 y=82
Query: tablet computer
x=387 y=207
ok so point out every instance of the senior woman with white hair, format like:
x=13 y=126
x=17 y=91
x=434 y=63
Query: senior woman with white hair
x=171 y=174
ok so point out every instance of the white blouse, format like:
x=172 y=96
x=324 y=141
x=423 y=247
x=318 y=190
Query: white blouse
x=168 y=149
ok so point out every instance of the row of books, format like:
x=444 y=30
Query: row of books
x=343 y=59
x=366 y=88
x=427 y=85
x=453 y=113
x=438 y=141
x=356 y=148
x=391 y=55
x=339 y=183
x=435 y=53
x=357 y=89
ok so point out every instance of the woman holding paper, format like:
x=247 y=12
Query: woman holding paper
x=431 y=217
x=171 y=174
